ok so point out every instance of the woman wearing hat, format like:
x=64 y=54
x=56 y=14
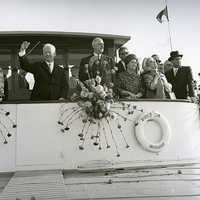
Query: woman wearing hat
x=129 y=82
x=155 y=82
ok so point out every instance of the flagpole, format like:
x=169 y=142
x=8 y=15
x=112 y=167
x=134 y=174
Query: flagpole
x=169 y=30
x=170 y=38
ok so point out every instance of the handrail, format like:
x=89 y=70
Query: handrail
x=67 y=101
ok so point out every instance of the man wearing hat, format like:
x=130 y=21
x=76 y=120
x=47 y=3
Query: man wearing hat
x=180 y=77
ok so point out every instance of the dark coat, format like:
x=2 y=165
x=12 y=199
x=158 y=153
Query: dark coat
x=48 y=86
x=104 y=68
x=121 y=67
x=182 y=83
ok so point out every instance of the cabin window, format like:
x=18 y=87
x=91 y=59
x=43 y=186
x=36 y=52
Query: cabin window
x=74 y=59
x=5 y=61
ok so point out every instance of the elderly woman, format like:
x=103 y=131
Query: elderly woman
x=155 y=82
x=129 y=82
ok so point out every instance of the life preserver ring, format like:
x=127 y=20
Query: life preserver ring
x=165 y=131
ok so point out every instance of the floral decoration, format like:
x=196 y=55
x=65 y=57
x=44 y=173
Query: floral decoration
x=96 y=107
x=5 y=132
x=197 y=91
x=95 y=99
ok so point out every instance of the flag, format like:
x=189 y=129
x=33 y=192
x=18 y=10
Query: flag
x=161 y=13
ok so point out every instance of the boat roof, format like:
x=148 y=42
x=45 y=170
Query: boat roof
x=119 y=40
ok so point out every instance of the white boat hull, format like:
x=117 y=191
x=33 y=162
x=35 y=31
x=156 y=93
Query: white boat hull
x=37 y=143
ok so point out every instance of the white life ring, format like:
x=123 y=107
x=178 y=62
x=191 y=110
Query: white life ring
x=140 y=135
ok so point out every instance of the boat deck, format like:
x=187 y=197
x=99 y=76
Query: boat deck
x=38 y=184
x=160 y=183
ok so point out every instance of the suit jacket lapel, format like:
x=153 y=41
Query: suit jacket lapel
x=123 y=65
x=55 y=69
x=89 y=67
x=178 y=72
x=172 y=74
x=45 y=66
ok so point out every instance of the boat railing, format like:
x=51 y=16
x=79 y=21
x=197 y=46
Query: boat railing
x=68 y=101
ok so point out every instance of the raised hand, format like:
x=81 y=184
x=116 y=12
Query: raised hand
x=24 y=46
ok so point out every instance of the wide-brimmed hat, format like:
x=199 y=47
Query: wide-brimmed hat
x=129 y=58
x=174 y=54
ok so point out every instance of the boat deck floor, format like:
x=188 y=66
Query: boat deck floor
x=169 y=183
x=39 y=184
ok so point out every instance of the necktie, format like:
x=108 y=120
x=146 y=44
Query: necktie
x=49 y=66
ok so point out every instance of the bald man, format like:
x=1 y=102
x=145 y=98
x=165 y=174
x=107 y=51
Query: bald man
x=50 y=80
x=97 y=64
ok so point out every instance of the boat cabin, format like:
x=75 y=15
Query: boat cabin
x=70 y=48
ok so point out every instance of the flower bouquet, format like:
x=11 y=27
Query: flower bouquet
x=95 y=99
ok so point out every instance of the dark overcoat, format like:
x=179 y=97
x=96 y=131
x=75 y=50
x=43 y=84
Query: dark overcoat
x=48 y=86
x=182 y=82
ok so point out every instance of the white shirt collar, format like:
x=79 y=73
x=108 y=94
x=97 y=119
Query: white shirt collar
x=48 y=63
x=95 y=54
x=175 y=70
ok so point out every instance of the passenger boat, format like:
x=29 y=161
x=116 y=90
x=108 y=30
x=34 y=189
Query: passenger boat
x=148 y=150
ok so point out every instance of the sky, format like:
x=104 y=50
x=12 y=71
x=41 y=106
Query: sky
x=135 y=18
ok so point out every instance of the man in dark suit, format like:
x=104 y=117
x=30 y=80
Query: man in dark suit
x=50 y=80
x=123 y=52
x=180 y=77
x=97 y=64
